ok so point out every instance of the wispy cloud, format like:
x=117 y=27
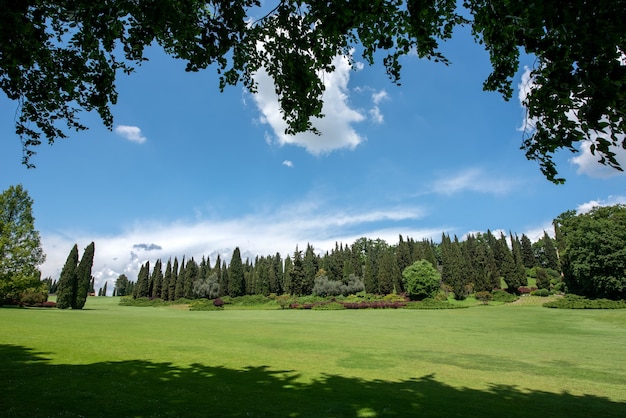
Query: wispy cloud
x=375 y=112
x=288 y=163
x=336 y=127
x=277 y=230
x=474 y=180
x=589 y=164
x=131 y=133
x=612 y=200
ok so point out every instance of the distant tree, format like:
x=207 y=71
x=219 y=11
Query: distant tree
x=543 y=281
x=297 y=275
x=171 y=292
x=192 y=273
x=68 y=282
x=594 y=254
x=83 y=273
x=208 y=287
x=546 y=253
x=453 y=266
x=20 y=244
x=142 y=289
x=235 y=275
x=287 y=282
x=310 y=267
x=165 y=286
x=179 y=291
x=104 y=289
x=121 y=285
x=520 y=270
x=389 y=276
x=421 y=280
x=528 y=256
x=156 y=280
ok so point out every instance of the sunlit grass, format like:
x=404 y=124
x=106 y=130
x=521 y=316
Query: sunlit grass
x=312 y=363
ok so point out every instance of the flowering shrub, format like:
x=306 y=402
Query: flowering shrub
x=218 y=303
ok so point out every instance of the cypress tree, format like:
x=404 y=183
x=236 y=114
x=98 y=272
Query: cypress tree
x=68 y=280
x=276 y=274
x=165 y=286
x=142 y=287
x=310 y=267
x=236 y=275
x=156 y=280
x=171 y=292
x=180 y=281
x=83 y=273
x=297 y=274
x=223 y=279
x=104 y=290
x=191 y=275
x=528 y=256
x=287 y=285
x=520 y=270
x=552 y=257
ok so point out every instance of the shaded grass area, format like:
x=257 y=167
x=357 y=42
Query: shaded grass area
x=111 y=360
x=145 y=388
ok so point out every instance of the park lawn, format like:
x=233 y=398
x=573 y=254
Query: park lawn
x=110 y=360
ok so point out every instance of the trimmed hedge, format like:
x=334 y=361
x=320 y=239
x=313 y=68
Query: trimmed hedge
x=580 y=302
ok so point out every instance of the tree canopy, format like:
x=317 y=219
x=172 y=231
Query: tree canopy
x=58 y=58
x=20 y=244
x=594 y=251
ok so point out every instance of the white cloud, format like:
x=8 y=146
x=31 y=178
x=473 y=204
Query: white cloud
x=612 y=200
x=132 y=133
x=475 y=180
x=265 y=233
x=288 y=163
x=588 y=163
x=336 y=127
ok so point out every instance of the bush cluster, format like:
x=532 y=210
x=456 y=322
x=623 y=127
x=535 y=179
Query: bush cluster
x=502 y=296
x=207 y=305
x=541 y=292
x=580 y=302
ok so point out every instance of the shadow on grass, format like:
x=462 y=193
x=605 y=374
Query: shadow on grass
x=31 y=386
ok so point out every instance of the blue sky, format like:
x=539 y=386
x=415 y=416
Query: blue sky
x=192 y=171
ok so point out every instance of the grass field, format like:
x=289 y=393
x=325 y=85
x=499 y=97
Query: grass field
x=500 y=361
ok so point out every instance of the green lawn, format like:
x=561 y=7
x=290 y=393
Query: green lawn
x=109 y=360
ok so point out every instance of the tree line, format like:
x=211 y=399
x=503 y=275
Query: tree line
x=477 y=263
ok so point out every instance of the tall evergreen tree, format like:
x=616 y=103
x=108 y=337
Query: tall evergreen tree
x=191 y=275
x=518 y=258
x=68 y=280
x=236 y=275
x=389 y=276
x=453 y=266
x=121 y=285
x=528 y=256
x=171 y=292
x=297 y=274
x=403 y=254
x=157 y=280
x=179 y=290
x=287 y=282
x=104 y=289
x=551 y=255
x=143 y=282
x=83 y=274
x=310 y=267
x=165 y=286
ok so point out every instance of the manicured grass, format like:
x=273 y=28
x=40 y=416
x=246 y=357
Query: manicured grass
x=110 y=360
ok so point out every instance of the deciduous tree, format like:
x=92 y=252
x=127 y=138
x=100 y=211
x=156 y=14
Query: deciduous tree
x=20 y=244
